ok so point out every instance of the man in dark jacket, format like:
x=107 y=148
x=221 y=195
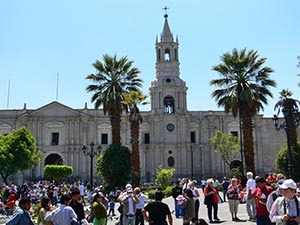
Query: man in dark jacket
x=177 y=190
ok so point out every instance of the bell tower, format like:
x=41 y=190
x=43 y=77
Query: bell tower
x=168 y=90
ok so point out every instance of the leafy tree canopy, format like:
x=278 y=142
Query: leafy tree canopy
x=282 y=160
x=226 y=145
x=57 y=171
x=114 y=166
x=163 y=176
x=17 y=153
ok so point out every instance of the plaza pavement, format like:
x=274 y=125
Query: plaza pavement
x=223 y=213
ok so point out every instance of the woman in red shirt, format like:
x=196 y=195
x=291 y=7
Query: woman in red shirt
x=211 y=201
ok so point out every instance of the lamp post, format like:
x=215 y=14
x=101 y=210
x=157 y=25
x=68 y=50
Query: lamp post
x=287 y=124
x=91 y=152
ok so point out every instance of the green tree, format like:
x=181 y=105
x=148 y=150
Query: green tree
x=113 y=78
x=244 y=90
x=17 y=153
x=163 y=176
x=288 y=106
x=281 y=161
x=58 y=172
x=226 y=145
x=131 y=102
x=114 y=166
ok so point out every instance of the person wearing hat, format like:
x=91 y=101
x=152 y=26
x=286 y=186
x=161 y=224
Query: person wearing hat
x=176 y=191
x=21 y=216
x=63 y=215
x=285 y=210
x=100 y=211
x=278 y=192
x=129 y=201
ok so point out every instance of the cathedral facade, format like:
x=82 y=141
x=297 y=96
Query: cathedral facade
x=171 y=135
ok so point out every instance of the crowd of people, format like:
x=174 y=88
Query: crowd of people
x=269 y=200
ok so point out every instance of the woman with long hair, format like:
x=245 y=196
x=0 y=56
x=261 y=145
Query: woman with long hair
x=43 y=210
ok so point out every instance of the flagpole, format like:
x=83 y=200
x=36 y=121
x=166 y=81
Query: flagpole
x=8 y=93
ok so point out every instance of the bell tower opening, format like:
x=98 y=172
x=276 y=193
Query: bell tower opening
x=167 y=55
x=169 y=107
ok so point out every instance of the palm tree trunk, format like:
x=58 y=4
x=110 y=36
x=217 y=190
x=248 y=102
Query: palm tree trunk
x=248 y=139
x=115 y=120
x=292 y=129
x=135 y=158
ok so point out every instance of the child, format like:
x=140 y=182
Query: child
x=112 y=205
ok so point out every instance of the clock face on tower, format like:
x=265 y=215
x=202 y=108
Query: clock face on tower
x=170 y=127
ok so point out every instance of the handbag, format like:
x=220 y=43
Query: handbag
x=90 y=217
x=232 y=195
x=206 y=201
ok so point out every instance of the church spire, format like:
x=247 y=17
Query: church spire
x=166 y=35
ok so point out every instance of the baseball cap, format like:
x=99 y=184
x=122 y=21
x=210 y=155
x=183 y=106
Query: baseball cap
x=129 y=190
x=289 y=183
x=280 y=182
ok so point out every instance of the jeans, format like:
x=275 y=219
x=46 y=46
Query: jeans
x=128 y=220
x=251 y=204
x=177 y=212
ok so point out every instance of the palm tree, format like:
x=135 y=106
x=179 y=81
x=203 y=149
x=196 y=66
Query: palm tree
x=131 y=102
x=244 y=89
x=289 y=107
x=113 y=78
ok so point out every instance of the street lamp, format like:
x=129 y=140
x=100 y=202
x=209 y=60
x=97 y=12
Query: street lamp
x=91 y=153
x=287 y=125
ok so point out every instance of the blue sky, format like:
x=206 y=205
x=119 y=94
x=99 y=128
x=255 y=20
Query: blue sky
x=40 y=39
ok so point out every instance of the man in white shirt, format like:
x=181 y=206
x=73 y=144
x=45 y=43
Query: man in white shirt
x=82 y=192
x=250 y=203
x=139 y=219
x=64 y=214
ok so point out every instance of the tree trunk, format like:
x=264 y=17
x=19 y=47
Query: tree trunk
x=292 y=129
x=135 y=158
x=248 y=139
x=115 y=120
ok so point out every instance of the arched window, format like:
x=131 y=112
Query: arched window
x=171 y=161
x=53 y=159
x=158 y=54
x=176 y=54
x=169 y=106
x=167 y=55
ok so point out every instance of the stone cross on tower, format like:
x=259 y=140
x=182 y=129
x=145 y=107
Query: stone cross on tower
x=166 y=8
